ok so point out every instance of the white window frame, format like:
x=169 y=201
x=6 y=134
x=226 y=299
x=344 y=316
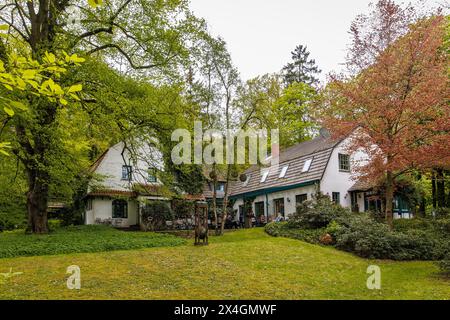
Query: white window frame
x=283 y=172
x=249 y=176
x=264 y=176
x=307 y=165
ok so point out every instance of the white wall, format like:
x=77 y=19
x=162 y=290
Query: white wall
x=110 y=168
x=102 y=209
x=338 y=181
x=289 y=206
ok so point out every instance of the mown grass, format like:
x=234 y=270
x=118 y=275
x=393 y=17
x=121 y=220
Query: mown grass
x=80 y=239
x=246 y=264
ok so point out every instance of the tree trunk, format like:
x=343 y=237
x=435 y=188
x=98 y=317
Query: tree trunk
x=433 y=189
x=422 y=203
x=225 y=201
x=389 y=198
x=37 y=201
x=214 y=200
x=440 y=188
x=37 y=163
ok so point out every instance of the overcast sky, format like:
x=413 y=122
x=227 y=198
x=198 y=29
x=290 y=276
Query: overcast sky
x=261 y=33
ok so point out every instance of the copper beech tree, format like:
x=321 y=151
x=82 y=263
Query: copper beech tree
x=398 y=97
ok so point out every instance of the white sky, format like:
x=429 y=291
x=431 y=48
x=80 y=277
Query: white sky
x=262 y=33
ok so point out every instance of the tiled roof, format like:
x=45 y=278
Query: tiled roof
x=112 y=193
x=318 y=149
x=145 y=190
x=362 y=186
x=195 y=197
x=96 y=164
x=148 y=189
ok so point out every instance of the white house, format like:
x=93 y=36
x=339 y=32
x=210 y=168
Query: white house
x=320 y=164
x=128 y=180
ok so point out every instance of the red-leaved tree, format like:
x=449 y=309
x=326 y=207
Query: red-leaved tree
x=397 y=97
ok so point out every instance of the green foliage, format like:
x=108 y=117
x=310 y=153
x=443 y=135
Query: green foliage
x=302 y=69
x=440 y=226
x=54 y=224
x=444 y=265
x=155 y=214
x=317 y=213
x=267 y=104
x=442 y=213
x=80 y=239
x=272 y=268
x=24 y=75
x=416 y=239
x=283 y=229
x=183 y=209
x=369 y=239
x=12 y=195
x=333 y=228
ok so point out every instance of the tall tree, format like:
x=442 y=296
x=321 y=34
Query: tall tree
x=399 y=101
x=268 y=105
x=152 y=45
x=302 y=69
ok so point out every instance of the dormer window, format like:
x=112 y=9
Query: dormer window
x=126 y=172
x=344 y=162
x=247 y=180
x=284 y=171
x=307 y=165
x=264 y=176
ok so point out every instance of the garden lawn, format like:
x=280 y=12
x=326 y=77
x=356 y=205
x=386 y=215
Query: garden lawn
x=246 y=264
x=80 y=239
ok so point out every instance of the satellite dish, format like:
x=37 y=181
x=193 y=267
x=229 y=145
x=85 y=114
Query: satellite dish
x=243 y=177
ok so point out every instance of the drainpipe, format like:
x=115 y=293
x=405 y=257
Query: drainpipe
x=267 y=208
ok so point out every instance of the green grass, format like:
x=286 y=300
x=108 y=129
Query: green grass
x=80 y=239
x=246 y=264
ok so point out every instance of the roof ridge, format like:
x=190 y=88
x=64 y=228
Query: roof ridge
x=97 y=162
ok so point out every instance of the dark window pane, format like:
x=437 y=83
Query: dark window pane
x=126 y=172
x=299 y=199
x=152 y=175
x=120 y=209
x=337 y=197
x=344 y=162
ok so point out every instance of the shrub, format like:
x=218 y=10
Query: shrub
x=409 y=224
x=321 y=221
x=363 y=236
x=183 y=209
x=444 y=265
x=54 y=224
x=282 y=229
x=317 y=213
x=438 y=225
x=11 y=221
x=442 y=213
x=155 y=214
x=333 y=228
x=370 y=239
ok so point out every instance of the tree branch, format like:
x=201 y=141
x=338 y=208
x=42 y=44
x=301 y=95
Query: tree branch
x=129 y=59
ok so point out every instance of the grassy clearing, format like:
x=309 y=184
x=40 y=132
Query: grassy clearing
x=80 y=239
x=242 y=265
